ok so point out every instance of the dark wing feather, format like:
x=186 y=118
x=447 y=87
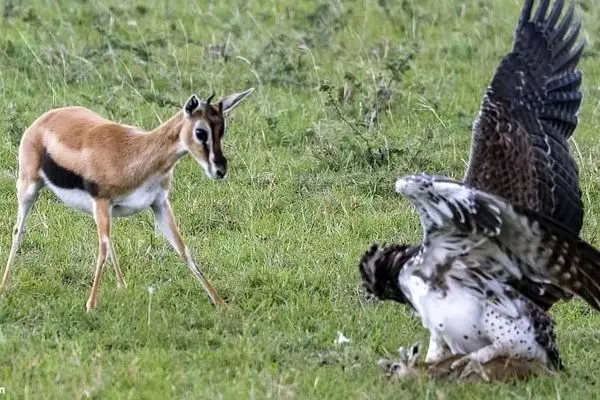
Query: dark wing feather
x=523 y=243
x=519 y=147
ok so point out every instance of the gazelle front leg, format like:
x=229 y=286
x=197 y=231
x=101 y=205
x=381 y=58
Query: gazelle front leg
x=27 y=192
x=115 y=262
x=101 y=209
x=163 y=215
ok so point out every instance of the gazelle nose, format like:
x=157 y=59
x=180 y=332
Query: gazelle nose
x=220 y=173
x=219 y=165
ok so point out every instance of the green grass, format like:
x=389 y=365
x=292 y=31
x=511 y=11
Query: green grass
x=310 y=187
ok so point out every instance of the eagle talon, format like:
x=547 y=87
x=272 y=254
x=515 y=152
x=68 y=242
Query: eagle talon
x=461 y=362
x=474 y=367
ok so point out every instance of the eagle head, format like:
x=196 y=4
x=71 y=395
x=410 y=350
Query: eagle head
x=379 y=268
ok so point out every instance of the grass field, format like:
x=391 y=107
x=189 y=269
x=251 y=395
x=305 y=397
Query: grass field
x=349 y=96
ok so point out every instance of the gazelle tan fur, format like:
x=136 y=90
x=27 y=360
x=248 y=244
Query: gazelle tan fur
x=112 y=170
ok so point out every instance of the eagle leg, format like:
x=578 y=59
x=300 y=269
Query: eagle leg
x=481 y=356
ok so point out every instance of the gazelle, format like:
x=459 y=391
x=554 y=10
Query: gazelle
x=111 y=170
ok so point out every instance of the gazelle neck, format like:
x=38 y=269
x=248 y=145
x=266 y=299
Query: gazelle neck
x=162 y=146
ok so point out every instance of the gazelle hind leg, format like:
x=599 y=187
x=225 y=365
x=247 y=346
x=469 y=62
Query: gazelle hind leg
x=27 y=192
x=102 y=218
x=112 y=255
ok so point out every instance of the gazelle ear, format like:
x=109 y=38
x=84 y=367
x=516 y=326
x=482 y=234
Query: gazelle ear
x=415 y=351
x=228 y=103
x=191 y=105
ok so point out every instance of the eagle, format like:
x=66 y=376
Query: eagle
x=502 y=246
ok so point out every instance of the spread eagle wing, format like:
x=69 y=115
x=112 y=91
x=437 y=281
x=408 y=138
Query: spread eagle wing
x=519 y=148
x=498 y=240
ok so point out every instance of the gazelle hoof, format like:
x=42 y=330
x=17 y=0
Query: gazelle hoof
x=90 y=306
x=220 y=303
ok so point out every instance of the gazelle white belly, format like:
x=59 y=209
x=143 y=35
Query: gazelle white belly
x=77 y=199
x=140 y=198
x=125 y=205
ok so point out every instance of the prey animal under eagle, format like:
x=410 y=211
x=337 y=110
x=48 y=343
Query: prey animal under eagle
x=502 y=245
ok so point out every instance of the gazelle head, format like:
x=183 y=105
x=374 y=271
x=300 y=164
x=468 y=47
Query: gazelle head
x=406 y=366
x=204 y=128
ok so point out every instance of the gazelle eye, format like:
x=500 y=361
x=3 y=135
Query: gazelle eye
x=201 y=134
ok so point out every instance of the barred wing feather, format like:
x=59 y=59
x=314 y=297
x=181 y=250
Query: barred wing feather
x=524 y=243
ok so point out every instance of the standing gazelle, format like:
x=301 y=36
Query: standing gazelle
x=110 y=170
